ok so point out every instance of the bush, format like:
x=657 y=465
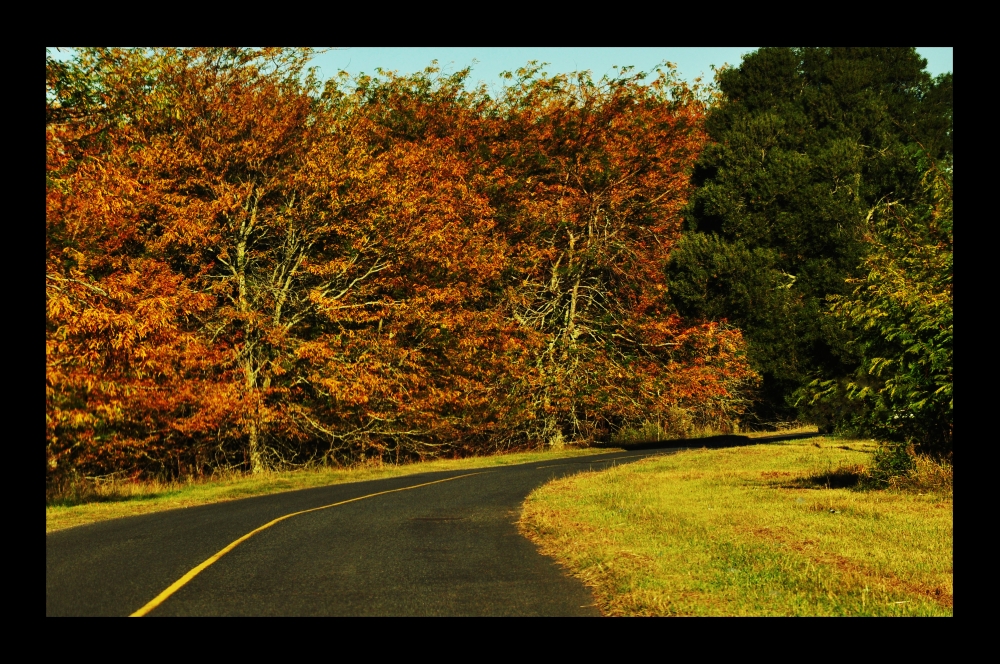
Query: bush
x=927 y=475
x=898 y=466
x=901 y=318
x=676 y=423
x=891 y=461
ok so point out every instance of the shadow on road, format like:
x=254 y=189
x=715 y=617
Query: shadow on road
x=710 y=441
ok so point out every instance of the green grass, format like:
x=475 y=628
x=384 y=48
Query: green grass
x=778 y=529
x=680 y=427
x=118 y=499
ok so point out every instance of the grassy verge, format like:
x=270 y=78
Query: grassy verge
x=114 y=500
x=771 y=529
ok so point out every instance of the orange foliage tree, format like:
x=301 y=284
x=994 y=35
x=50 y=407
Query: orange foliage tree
x=246 y=267
x=596 y=175
x=124 y=378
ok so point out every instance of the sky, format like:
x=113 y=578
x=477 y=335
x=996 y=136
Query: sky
x=488 y=62
x=691 y=62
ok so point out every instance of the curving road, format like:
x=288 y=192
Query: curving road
x=446 y=548
x=439 y=544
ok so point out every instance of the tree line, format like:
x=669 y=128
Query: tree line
x=821 y=225
x=249 y=267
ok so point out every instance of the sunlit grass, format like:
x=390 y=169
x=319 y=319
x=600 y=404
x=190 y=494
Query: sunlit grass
x=757 y=530
x=112 y=500
x=681 y=428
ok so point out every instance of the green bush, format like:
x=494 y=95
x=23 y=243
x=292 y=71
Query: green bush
x=891 y=460
x=900 y=316
x=803 y=142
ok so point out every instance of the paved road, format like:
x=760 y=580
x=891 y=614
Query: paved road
x=449 y=548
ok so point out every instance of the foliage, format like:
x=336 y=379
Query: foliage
x=124 y=377
x=249 y=268
x=598 y=172
x=889 y=461
x=928 y=475
x=901 y=316
x=803 y=142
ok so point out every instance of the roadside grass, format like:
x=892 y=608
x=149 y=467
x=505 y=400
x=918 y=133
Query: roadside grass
x=775 y=529
x=680 y=427
x=111 y=500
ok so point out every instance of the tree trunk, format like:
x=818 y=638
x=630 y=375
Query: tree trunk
x=257 y=461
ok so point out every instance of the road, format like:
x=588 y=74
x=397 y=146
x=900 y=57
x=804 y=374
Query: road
x=431 y=544
x=442 y=549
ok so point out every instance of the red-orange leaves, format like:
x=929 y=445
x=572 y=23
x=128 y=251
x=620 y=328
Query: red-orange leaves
x=598 y=175
x=245 y=269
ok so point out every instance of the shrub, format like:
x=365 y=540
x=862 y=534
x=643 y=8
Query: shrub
x=901 y=319
x=891 y=461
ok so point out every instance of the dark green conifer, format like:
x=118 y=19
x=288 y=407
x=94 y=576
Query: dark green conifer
x=804 y=142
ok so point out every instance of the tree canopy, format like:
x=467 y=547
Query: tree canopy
x=901 y=318
x=248 y=267
x=802 y=144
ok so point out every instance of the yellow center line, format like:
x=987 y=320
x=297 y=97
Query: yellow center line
x=181 y=582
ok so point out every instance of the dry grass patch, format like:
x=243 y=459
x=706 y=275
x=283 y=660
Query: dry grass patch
x=927 y=476
x=111 y=500
x=773 y=529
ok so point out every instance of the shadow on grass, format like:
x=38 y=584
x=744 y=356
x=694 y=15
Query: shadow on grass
x=731 y=440
x=844 y=477
x=74 y=498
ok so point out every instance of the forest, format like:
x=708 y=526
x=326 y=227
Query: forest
x=251 y=268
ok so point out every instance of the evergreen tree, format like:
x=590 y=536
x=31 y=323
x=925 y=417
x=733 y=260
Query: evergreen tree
x=804 y=142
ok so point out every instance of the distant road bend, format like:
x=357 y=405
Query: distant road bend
x=439 y=544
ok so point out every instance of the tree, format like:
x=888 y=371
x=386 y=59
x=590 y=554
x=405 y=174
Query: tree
x=339 y=253
x=803 y=142
x=596 y=173
x=125 y=381
x=327 y=255
x=411 y=364
x=247 y=268
x=900 y=318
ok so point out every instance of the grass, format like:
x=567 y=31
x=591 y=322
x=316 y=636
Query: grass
x=681 y=427
x=778 y=529
x=112 y=500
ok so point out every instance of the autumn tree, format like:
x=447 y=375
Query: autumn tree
x=595 y=175
x=249 y=268
x=410 y=365
x=343 y=256
x=124 y=379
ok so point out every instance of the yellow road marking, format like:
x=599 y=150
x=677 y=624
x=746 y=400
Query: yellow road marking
x=179 y=583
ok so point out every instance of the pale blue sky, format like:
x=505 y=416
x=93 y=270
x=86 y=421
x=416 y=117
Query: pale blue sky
x=691 y=62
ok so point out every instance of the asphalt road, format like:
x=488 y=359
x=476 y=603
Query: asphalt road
x=446 y=549
x=450 y=548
